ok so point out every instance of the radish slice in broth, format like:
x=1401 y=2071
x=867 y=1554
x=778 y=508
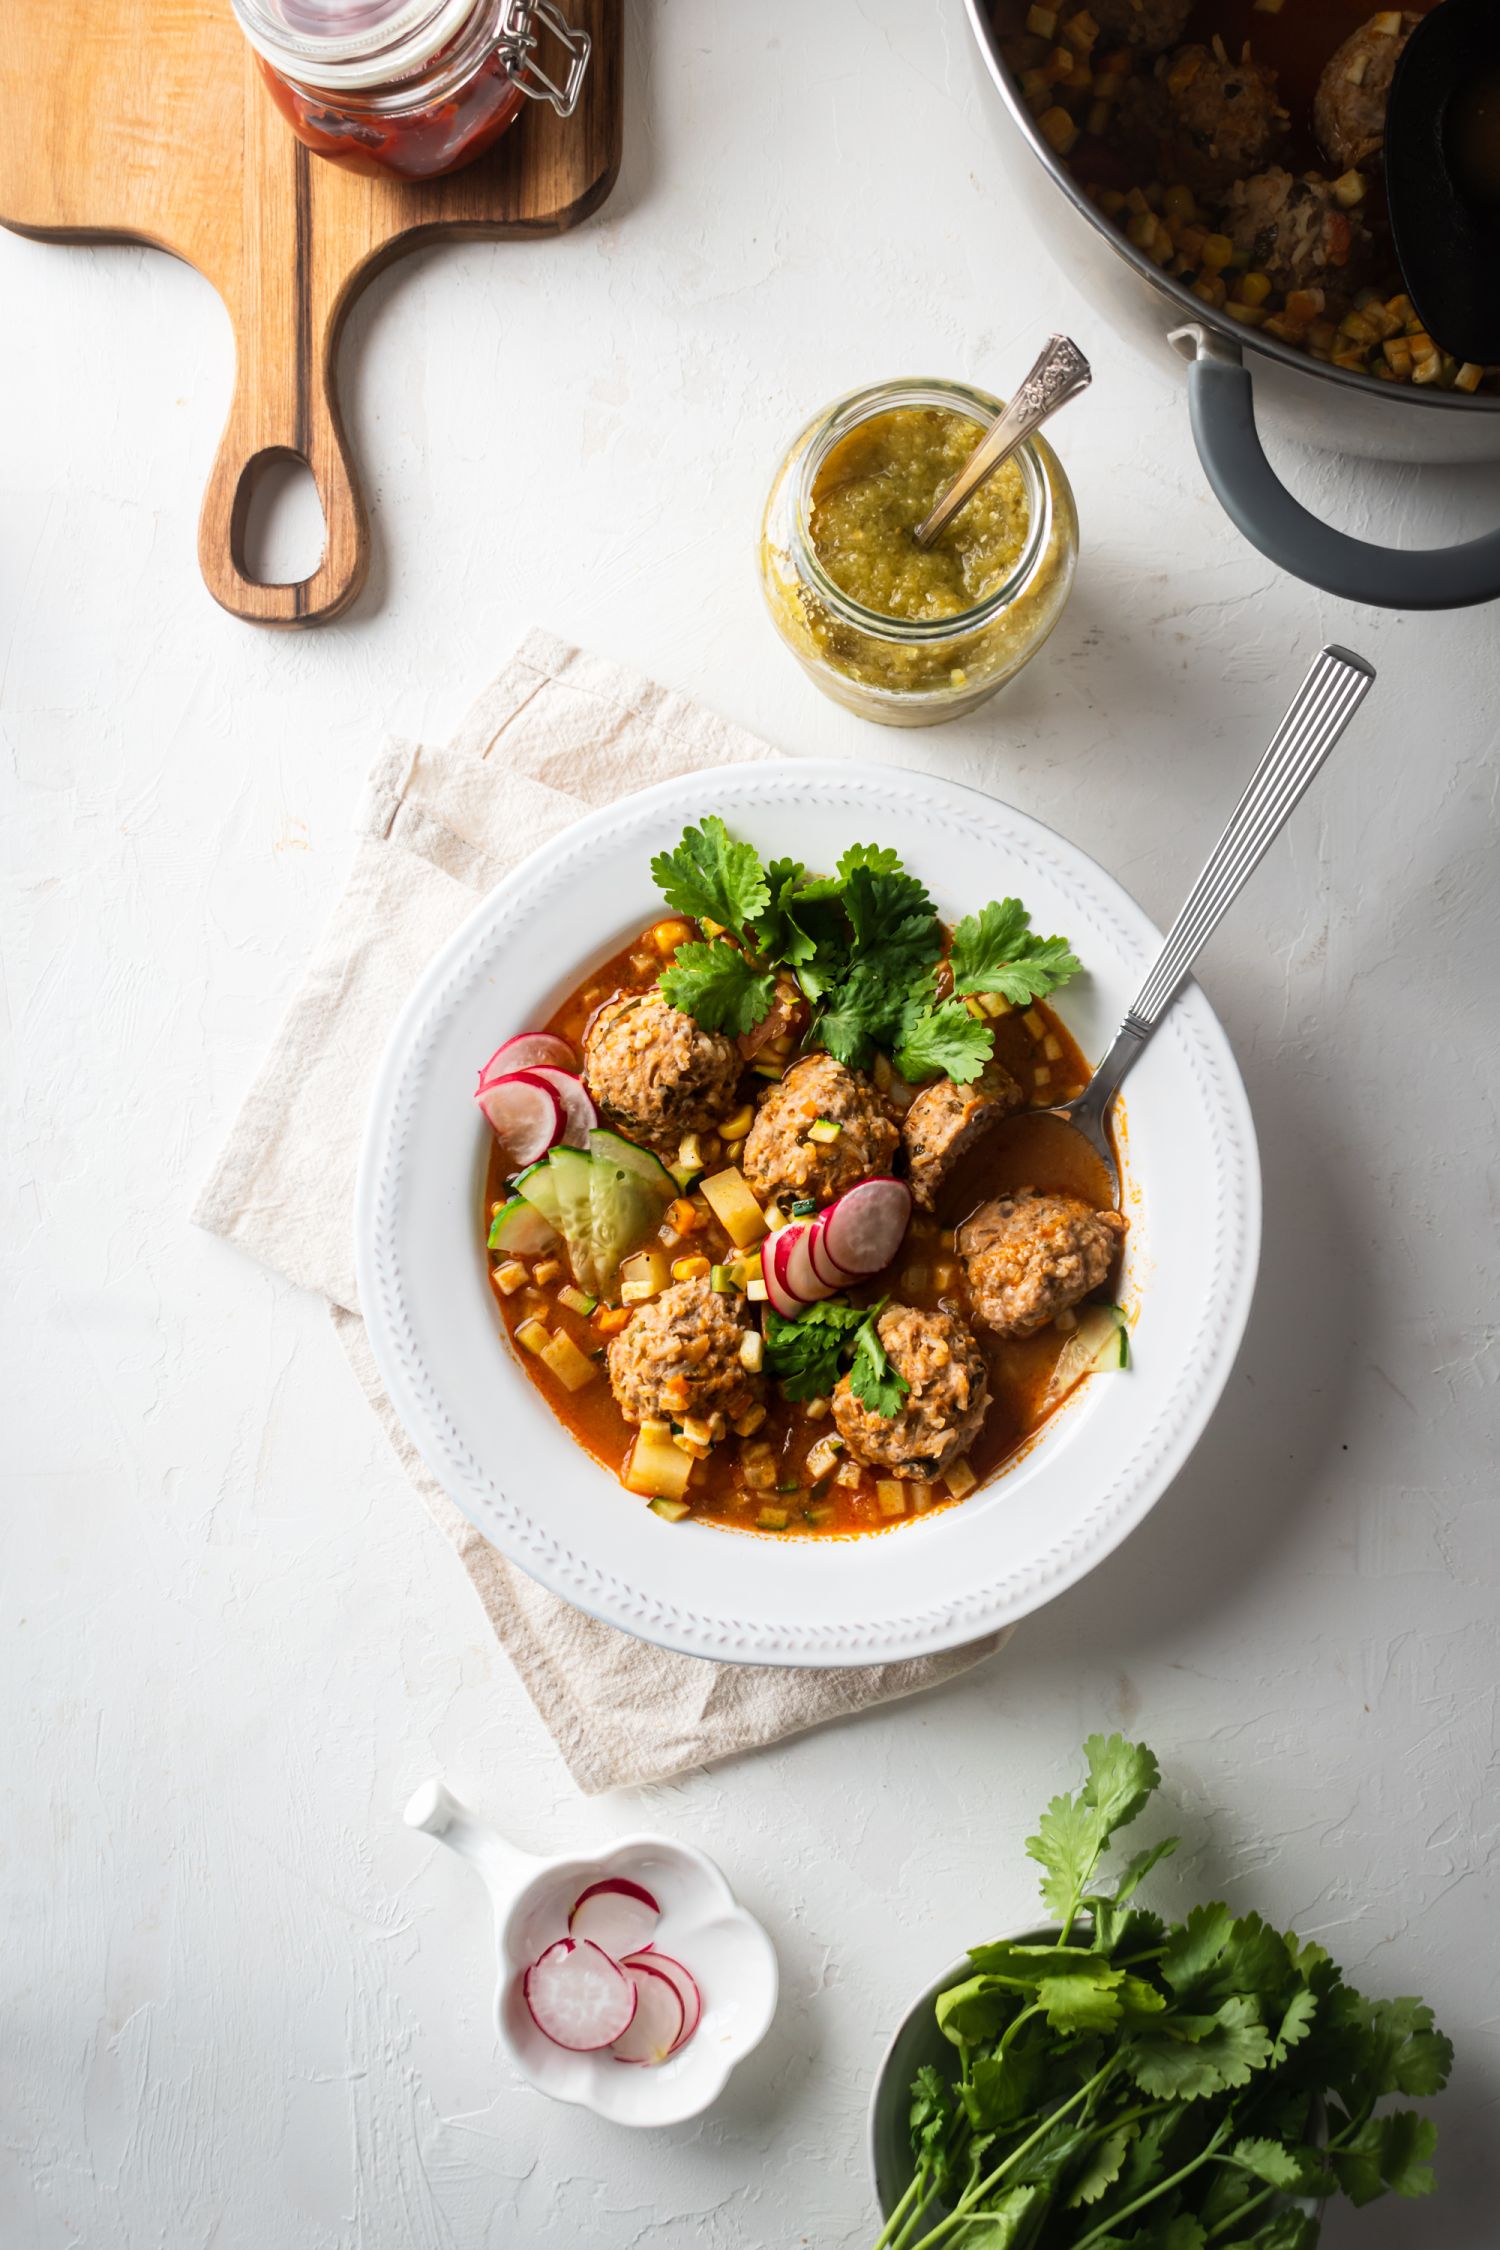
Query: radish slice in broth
x=529 y=1050
x=656 y=2027
x=579 y=1114
x=864 y=1229
x=823 y=1266
x=687 y=1989
x=578 y=1997
x=615 y=1913
x=773 y=1254
x=802 y=1277
x=526 y=1115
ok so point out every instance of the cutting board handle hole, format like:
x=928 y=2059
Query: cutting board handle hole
x=278 y=531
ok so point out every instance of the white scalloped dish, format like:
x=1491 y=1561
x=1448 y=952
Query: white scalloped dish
x=1191 y=1189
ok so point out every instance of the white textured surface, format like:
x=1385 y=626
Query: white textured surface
x=241 y=2006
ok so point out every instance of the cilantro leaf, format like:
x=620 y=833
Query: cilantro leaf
x=1391 y=2152
x=718 y=986
x=940 y=1039
x=778 y=932
x=804 y=1355
x=1185 y=2058
x=1296 y=2170
x=1075 y=1830
x=1008 y=2223
x=860 y=1011
x=1295 y=2024
x=873 y=1380
x=1082 y=2003
x=713 y=877
x=997 y=950
x=1106 y=2161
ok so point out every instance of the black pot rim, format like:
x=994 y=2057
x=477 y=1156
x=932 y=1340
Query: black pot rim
x=1406 y=395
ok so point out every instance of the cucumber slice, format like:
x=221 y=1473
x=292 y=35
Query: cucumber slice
x=647 y=1168
x=520 y=1230
x=539 y=1188
x=572 y=1174
x=1099 y=1344
x=626 y=1201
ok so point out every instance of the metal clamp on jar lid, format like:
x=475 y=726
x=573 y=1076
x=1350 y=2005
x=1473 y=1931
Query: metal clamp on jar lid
x=411 y=88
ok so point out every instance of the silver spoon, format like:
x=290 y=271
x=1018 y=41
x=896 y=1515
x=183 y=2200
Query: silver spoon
x=1060 y=373
x=1321 y=709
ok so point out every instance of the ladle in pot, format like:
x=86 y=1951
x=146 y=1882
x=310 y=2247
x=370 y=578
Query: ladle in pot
x=1321 y=709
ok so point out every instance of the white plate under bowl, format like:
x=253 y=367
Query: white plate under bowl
x=1192 y=1192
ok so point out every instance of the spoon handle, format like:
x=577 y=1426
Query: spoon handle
x=1060 y=373
x=1321 y=709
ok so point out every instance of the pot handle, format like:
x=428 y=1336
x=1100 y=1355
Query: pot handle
x=1222 y=408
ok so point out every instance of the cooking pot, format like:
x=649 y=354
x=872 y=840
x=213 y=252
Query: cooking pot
x=1302 y=397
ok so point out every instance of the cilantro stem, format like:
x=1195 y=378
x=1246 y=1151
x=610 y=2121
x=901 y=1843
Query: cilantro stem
x=1194 y=2164
x=983 y=2187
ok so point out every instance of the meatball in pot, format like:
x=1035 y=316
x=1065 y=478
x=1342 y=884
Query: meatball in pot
x=1148 y=24
x=1350 y=104
x=683 y=1354
x=821 y=1130
x=1201 y=120
x=1297 y=233
x=1029 y=1256
x=655 y=1072
x=943 y=1410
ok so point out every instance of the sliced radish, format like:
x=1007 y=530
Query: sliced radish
x=578 y=1997
x=526 y=1115
x=864 y=1229
x=578 y=1109
x=529 y=1050
x=687 y=1989
x=617 y=1914
x=802 y=1276
x=773 y=1271
x=656 y=2027
x=822 y=1264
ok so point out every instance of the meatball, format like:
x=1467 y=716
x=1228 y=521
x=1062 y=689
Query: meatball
x=1029 y=1256
x=1295 y=232
x=654 y=1071
x=1201 y=120
x=680 y=1356
x=1149 y=24
x=779 y=1158
x=947 y=1397
x=1349 y=106
x=946 y=1120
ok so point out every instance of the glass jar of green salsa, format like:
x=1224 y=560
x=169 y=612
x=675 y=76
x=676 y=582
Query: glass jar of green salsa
x=896 y=632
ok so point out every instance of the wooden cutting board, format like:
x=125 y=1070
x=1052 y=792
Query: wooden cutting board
x=146 y=121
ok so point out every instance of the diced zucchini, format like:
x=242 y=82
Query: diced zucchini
x=772 y=1519
x=533 y=1336
x=657 y=1468
x=824 y=1129
x=572 y=1367
x=1098 y=1345
x=804 y=1207
x=576 y=1300
x=671 y=1511
x=728 y=1196
x=643 y=1276
x=819 y=1512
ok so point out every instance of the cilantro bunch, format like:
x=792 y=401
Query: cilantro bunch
x=1139 y=2086
x=806 y=1355
x=863 y=945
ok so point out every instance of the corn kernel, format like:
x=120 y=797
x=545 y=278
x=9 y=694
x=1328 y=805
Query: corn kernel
x=689 y=1269
x=735 y=1128
x=1217 y=251
x=667 y=936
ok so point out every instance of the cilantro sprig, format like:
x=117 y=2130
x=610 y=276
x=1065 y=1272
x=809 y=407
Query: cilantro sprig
x=1133 y=2086
x=807 y=1355
x=864 y=946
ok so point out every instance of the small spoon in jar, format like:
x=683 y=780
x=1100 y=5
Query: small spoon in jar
x=1321 y=709
x=1060 y=373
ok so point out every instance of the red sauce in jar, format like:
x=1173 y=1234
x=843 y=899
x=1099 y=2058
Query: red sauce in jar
x=420 y=143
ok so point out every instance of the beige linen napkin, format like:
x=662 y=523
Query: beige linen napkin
x=558 y=733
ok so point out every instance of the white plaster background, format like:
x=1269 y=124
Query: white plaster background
x=241 y=2007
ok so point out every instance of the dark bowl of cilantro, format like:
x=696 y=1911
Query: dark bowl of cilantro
x=1113 y=2081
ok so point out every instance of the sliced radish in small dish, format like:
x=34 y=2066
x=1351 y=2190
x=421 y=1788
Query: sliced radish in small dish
x=529 y=1050
x=802 y=1276
x=578 y=1997
x=617 y=1914
x=823 y=1266
x=863 y=1230
x=773 y=1257
x=579 y=1114
x=656 y=2027
x=526 y=1115
x=687 y=1989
